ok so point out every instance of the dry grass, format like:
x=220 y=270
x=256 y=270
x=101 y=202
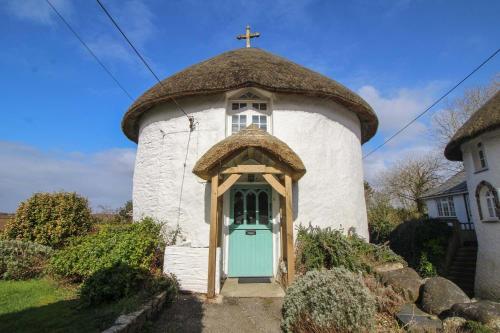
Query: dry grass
x=388 y=301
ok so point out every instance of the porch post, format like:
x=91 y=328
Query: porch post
x=289 y=229
x=212 y=247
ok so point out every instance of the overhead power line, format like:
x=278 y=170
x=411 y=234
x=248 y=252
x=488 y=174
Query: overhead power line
x=190 y=118
x=89 y=50
x=433 y=104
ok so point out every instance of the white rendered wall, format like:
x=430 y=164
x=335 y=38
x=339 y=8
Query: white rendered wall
x=190 y=266
x=487 y=283
x=458 y=202
x=324 y=134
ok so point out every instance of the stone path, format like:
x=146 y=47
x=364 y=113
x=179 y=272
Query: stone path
x=193 y=314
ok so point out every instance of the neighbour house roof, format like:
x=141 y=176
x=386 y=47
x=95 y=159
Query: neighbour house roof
x=486 y=118
x=250 y=137
x=454 y=185
x=248 y=67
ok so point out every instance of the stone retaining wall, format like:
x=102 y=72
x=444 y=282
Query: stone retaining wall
x=133 y=322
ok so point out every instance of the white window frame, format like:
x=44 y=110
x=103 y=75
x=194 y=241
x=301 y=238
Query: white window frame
x=480 y=159
x=487 y=200
x=446 y=207
x=249 y=112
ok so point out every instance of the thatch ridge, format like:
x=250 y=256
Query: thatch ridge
x=248 y=67
x=485 y=119
x=252 y=136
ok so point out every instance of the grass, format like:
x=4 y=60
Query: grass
x=42 y=305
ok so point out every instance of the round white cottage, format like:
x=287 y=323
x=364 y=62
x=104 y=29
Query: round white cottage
x=271 y=145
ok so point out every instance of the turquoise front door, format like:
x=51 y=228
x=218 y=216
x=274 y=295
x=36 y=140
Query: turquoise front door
x=250 y=232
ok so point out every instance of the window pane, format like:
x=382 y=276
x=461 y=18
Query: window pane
x=251 y=208
x=238 y=208
x=243 y=105
x=243 y=121
x=235 y=106
x=452 y=206
x=255 y=120
x=263 y=208
x=263 y=106
x=235 y=119
x=440 y=207
x=235 y=128
x=255 y=106
x=263 y=120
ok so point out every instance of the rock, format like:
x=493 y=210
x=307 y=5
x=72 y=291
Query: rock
x=391 y=266
x=439 y=295
x=453 y=324
x=417 y=321
x=485 y=312
x=405 y=281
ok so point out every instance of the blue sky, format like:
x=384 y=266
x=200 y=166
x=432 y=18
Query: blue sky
x=61 y=113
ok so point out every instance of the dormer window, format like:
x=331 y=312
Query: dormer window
x=480 y=158
x=248 y=109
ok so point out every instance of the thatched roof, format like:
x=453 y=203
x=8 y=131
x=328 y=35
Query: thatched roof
x=248 y=67
x=250 y=137
x=486 y=118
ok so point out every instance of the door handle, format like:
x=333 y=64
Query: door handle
x=250 y=232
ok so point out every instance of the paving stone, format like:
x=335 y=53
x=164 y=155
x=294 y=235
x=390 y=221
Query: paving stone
x=417 y=321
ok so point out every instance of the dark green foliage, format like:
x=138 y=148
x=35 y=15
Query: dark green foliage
x=50 y=219
x=327 y=248
x=423 y=244
x=22 y=260
x=333 y=300
x=138 y=245
x=125 y=212
x=475 y=327
x=121 y=280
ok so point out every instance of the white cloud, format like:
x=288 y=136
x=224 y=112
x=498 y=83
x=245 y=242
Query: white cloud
x=37 y=11
x=105 y=177
x=394 y=111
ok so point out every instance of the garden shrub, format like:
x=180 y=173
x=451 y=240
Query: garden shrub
x=319 y=248
x=50 y=219
x=423 y=244
x=328 y=301
x=121 y=280
x=138 y=245
x=22 y=260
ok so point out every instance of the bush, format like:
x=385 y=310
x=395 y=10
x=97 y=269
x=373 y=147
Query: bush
x=22 y=260
x=327 y=248
x=138 y=245
x=328 y=301
x=121 y=280
x=50 y=219
x=423 y=244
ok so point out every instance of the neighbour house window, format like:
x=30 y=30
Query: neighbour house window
x=446 y=208
x=480 y=158
x=487 y=202
x=248 y=110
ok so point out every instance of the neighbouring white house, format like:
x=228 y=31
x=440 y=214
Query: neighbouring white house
x=450 y=200
x=477 y=144
x=239 y=149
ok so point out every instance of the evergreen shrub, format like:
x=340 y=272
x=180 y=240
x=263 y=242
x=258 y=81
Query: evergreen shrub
x=22 y=260
x=333 y=300
x=50 y=219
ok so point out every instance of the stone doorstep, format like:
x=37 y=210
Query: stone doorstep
x=133 y=322
x=415 y=320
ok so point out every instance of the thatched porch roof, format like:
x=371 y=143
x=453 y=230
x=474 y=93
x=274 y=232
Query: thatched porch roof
x=250 y=137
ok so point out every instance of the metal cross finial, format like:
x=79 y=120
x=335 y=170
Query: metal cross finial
x=248 y=35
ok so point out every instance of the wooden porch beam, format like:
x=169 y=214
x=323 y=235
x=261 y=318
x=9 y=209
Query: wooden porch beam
x=233 y=178
x=252 y=169
x=212 y=247
x=289 y=229
x=275 y=184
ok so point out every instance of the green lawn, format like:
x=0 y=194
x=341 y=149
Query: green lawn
x=42 y=305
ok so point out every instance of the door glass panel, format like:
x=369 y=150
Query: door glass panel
x=263 y=208
x=251 y=208
x=239 y=213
